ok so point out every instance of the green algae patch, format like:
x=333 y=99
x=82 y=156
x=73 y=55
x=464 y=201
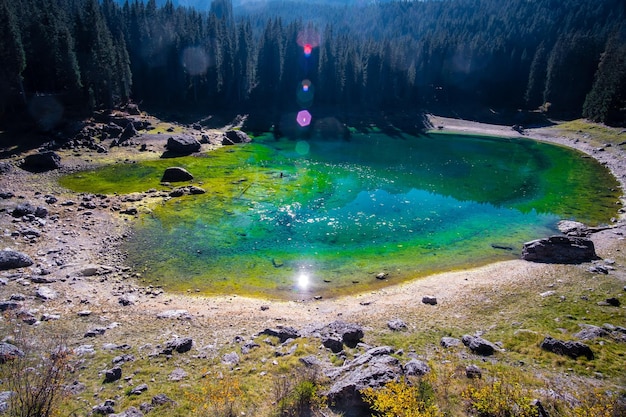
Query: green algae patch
x=301 y=218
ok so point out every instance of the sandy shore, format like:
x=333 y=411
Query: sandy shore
x=84 y=240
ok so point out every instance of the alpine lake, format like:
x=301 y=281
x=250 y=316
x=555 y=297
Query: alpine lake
x=294 y=219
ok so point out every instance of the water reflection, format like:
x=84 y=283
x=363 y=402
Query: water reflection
x=303 y=280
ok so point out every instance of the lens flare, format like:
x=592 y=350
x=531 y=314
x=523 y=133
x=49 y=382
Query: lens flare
x=195 y=60
x=303 y=118
x=308 y=38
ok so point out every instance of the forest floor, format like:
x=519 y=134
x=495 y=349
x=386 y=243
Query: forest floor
x=75 y=256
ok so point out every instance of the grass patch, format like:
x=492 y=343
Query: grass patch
x=597 y=134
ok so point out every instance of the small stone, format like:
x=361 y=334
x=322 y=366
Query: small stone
x=46 y=293
x=230 y=358
x=416 y=367
x=177 y=374
x=429 y=299
x=112 y=375
x=139 y=389
x=397 y=325
x=448 y=342
x=98 y=331
x=473 y=372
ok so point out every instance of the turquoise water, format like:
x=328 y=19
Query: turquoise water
x=295 y=219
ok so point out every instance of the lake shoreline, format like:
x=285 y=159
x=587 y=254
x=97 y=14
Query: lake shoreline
x=75 y=257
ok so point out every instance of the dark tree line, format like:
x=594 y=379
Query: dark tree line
x=568 y=57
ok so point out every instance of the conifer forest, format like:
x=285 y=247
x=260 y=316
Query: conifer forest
x=567 y=58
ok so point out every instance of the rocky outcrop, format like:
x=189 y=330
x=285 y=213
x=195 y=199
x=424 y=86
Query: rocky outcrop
x=42 y=161
x=182 y=145
x=10 y=259
x=559 y=249
x=372 y=369
x=176 y=174
x=569 y=348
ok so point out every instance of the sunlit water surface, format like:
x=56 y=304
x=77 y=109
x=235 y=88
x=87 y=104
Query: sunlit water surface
x=295 y=219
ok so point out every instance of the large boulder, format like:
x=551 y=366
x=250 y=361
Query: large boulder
x=559 y=249
x=10 y=259
x=42 y=161
x=569 y=348
x=372 y=369
x=176 y=174
x=232 y=137
x=182 y=145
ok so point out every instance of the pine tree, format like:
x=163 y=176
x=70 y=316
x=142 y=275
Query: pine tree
x=12 y=56
x=606 y=102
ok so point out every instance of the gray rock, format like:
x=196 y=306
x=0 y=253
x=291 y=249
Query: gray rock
x=478 y=345
x=365 y=371
x=473 y=372
x=113 y=374
x=42 y=161
x=571 y=349
x=176 y=174
x=351 y=334
x=161 y=399
x=416 y=367
x=46 y=293
x=248 y=346
x=128 y=133
x=139 y=389
x=560 y=249
x=123 y=359
x=23 y=209
x=10 y=259
x=182 y=145
x=129 y=412
x=5 y=396
x=97 y=331
x=232 y=137
x=174 y=314
x=177 y=374
x=105 y=408
x=50 y=317
x=590 y=332
x=180 y=345
x=396 y=325
x=310 y=361
x=230 y=358
x=282 y=333
x=9 y=305
x=194 y=190
x=429 y=299
x=9 y=352
x=448 y=342
x=335 y=345
x=84 y=350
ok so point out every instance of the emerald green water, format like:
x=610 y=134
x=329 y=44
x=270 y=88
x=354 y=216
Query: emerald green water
x=293 y=219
